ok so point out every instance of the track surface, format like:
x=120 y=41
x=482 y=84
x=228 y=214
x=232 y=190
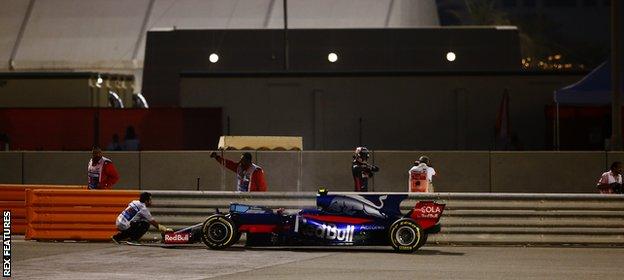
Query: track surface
x=44 y=260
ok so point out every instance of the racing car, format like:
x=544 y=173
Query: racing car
x=340 y=219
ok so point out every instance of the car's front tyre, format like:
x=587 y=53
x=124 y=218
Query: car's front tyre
x=218 y=232
x=406 y=236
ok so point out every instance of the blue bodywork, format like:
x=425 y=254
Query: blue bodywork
x=337 y=220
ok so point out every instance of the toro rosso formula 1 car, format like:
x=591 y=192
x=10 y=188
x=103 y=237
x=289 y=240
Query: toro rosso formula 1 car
x=368 y=220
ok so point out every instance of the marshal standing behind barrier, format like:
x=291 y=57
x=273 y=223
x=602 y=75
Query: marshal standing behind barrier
x=611 y=181
x=101 y=171
x=249 y=176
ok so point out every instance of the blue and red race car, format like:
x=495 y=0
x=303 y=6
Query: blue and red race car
x=368 y=220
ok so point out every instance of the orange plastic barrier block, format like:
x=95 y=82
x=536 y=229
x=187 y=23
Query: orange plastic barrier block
x=91 y=235
x=17 y=208
x=12 y=194
x=76 y=227
x=13 y=197
x=15 y=192
x=69 y=209
x=46 y=197
x=55 y=214
x=74 y=217
x=18 y=227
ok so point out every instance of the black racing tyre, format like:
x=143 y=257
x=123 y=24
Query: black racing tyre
x=406 y=236
x=219 y=232
x=423 y=240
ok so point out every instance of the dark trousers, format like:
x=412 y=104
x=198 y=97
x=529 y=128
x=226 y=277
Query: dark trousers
x=136 y=230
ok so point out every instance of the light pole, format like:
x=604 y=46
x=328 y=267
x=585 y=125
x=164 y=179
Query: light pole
x=286 y=62
x=616 y=106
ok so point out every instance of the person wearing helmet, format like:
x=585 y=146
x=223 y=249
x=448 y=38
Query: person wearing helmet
x=421 y=176
x=361 y=170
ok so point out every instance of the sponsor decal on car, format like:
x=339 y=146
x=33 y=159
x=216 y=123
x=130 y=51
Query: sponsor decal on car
x=429 y=210
x=177 y=238
x=330 y=232
x=372 y=227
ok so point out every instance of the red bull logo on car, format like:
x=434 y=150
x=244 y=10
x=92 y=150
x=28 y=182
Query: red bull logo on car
x=330 y=232
x=177 y=238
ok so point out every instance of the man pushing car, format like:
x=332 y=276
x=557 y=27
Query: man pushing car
x=135 y=220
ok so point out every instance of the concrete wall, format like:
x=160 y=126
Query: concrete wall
x=575 y=172
x=128 y=166
x=328 y=169
x=62 y=89
x=615 y=156
x=11 y=167
x=456 y=172
x=64 y=168
x=417 y=112
x=460 y=171
x=45 y=93
x=55 y=167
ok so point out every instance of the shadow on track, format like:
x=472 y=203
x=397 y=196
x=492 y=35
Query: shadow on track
x=345 y=249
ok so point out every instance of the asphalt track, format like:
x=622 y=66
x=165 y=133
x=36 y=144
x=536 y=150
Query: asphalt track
x=49 y=260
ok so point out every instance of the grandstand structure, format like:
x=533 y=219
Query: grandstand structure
x=109 y=35
x=401 y=81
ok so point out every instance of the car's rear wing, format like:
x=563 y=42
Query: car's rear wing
x=427 y=213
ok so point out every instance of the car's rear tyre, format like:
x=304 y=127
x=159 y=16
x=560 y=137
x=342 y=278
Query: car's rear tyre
x=423 y=240
x=406 y=236
x=218 y=232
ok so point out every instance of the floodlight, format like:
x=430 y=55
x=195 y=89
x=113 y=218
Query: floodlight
x=213 y=58
x=99 y=81
x=450 y=56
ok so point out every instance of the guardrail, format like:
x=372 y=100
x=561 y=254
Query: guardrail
x=74 y=214
x=469 y=218
x=13 y=198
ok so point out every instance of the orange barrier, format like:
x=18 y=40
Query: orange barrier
x=74 y=214
x=13 y=198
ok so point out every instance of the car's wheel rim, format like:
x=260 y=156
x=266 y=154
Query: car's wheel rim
x=405 y=236
x=217 y=232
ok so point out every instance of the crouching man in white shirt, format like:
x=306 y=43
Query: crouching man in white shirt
x=611 y=181
x=135 y=220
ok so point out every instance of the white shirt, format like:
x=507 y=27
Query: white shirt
x=608 y=178
x=94 y=172
x=422 y=168
x=136 y=211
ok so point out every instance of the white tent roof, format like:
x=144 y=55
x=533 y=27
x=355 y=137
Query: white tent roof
x=109 y=35
x=260 y=143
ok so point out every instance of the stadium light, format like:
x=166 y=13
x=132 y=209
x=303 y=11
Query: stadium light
x=114 y=100
x=213 y=58
x=332 y=57
x=450 y=56
x=99 y=81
